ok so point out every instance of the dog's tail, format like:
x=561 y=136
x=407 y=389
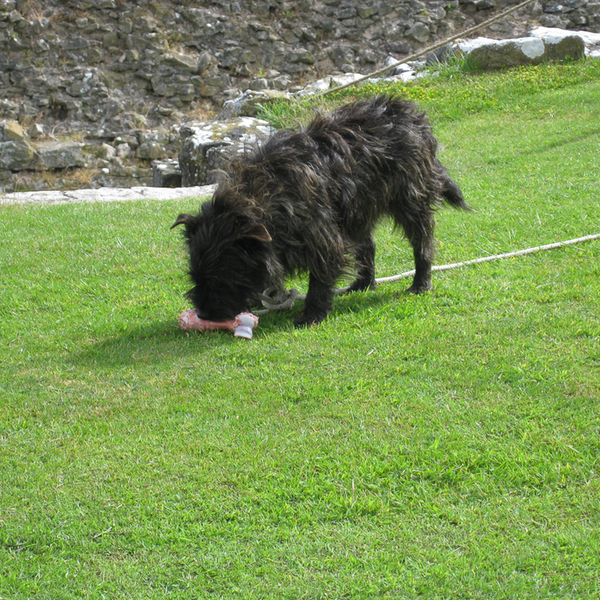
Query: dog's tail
x=453 y=194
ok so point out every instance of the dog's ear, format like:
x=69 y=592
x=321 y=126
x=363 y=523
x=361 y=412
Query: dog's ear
x=183 y=219
x=258 y=232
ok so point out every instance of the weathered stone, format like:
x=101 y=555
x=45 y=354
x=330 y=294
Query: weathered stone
x=208 y=147
x=106 y=151
x=419 y=32
x=259 y=84
x=14 y=16
x=78 y=88
x=366 y=12
x=560 y=43
x=218 y=161
x=214 y=85
x=59 y=155
x=75 y=43
x=306 y=33
x=180 y=61
x=566 y=48
x=507 y=53
x=110 y=39
x=494 y=54
x=17 y=44
x=16 y=155
x=346 y=13
x=35 y=131
x=11 y=131
x=166 y=173
x=40 y=46
x=281 y=83
x=150 y=150
x=591 y=40
x=123 y=150
x=301 y=56
x=342 y=55
x=206 y=61
x=171 y=85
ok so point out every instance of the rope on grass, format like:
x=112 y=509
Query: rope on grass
x=285 y=299
x=429 y=49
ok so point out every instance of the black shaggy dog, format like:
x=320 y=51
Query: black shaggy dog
x=308 y=201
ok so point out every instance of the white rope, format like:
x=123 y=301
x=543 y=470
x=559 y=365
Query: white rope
x=285 y=299
x=477 y=261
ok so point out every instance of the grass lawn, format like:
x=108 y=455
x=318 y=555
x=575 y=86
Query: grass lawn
x=440 y=446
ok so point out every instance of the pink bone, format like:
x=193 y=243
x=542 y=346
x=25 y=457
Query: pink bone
x=242 y=325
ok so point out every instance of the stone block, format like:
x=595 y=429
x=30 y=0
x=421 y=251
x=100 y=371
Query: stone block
x=59 y=155
x=11 y=131
x=150 y=150
x=488 y=54
x=179 y=61
x=569 y=47
x=16 y=156
x=419 y=32
x=507 y=53
x=209 y=147
x=166 y=173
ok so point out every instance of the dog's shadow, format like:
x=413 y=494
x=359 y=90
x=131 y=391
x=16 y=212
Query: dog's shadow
x=153 y=342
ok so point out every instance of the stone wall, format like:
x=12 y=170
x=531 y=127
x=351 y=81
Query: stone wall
x=129 y=73
x=118 y=65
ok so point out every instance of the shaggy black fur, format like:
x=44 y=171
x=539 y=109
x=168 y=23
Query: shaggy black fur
x=308 y=200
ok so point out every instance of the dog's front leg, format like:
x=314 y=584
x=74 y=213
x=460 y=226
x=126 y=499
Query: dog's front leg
x=318 y=302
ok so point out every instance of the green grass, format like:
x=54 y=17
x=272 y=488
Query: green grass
x=441 y=446
x=451 y=94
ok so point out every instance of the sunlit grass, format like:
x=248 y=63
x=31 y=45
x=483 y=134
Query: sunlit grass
x=437 y=446
x=449 y=94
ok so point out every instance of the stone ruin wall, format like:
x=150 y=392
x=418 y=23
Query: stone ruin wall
x=91 y=62
x=113 y=70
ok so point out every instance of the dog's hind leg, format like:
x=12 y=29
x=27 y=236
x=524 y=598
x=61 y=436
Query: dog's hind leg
x=365 y=266
x=421 y=238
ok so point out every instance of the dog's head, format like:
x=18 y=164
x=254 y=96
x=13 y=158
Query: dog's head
x=229 y=256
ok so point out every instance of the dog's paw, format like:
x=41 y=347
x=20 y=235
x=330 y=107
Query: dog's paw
x=308 y=321
x=361 y=286
x=419 y=289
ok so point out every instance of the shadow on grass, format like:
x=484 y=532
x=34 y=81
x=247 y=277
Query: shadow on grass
x=157 y=342
x=153 y=343
x=570 y=140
